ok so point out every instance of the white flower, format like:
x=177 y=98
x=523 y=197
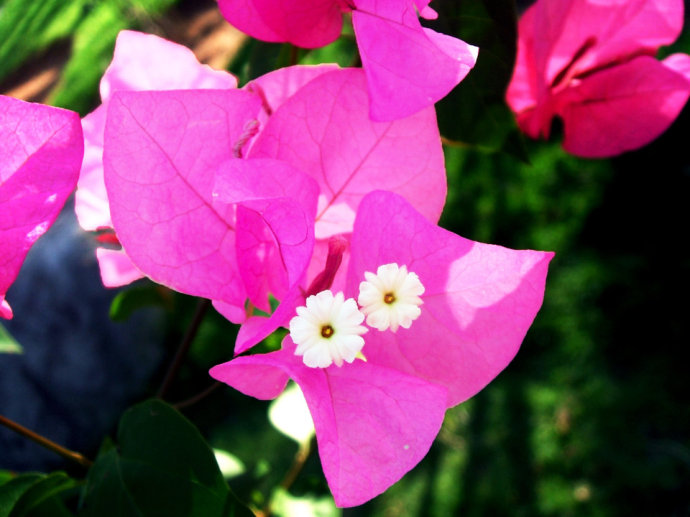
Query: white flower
x=391 y=297
x=328 y=330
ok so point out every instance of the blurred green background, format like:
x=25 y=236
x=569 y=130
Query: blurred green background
x=590 y=419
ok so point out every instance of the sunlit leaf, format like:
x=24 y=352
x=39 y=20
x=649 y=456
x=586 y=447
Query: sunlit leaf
x=230 y=465
x=8 y=345
x=290 y=415
x=285 y=505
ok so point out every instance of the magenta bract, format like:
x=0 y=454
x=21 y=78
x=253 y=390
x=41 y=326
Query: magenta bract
x=375 y=420
x=591 y=64
x=41 y=150
x=140 y=62
x=161 y=153
x=408 y=67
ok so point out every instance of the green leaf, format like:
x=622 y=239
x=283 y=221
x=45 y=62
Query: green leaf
x=8 y=345
x=6 y=475
x=30 y=27
x=92 y=49
x=162 y=466
x=290 y=415
x=27 y=491
x=11 y=491
x=475 y=112
x=133 y=298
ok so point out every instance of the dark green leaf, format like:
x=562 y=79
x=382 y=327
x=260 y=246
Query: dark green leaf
x=475 y=112
x=51 y=507
x=162 y=467
x=133 y=298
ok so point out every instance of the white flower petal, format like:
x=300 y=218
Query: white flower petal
x=405 y=288
x=324 y=311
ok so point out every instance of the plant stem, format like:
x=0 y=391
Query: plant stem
x=297 y=465
x=298 y=462
x=199 y=314
x=199 y=396
x=294 y=55
x=45 y=442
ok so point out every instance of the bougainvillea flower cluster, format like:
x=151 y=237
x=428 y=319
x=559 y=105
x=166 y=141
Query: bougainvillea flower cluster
x=591 y=63
x=376 y=417
x=408 y=67
x=157 y=154
x=303 y=197
x=41 y=150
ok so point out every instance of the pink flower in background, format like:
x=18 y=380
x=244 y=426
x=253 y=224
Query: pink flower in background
x=140 y=62
x=408 y=67
x=41 y=150
x=591 y=63
x=376 y=419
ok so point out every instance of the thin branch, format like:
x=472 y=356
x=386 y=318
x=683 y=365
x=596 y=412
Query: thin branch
x=294 y=55
x=298 y=462
x=182 y=350
x=297 y=465
x=199 y=396
x=45 y=442
x=454 y=143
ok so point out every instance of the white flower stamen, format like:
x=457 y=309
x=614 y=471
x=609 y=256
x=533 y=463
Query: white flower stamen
x=391 y=297
x=328 y=330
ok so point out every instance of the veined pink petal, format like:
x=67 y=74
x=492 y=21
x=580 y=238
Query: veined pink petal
x=373 y=424
x=41 y=149
x=408 y=67
x=324 y=130
x=275 y=236
x=161 y=153
x=140 y=62
x=233 y=312
x=479 y=299
x=309 y=23
x=623 y=108
x=91 y=200
x=275 y=240
x=116 y=268
x=275 y=223
x=279 y=85
x=147 y=62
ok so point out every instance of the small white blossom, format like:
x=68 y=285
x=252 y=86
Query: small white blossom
x=391 y=297
x=328 y=330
